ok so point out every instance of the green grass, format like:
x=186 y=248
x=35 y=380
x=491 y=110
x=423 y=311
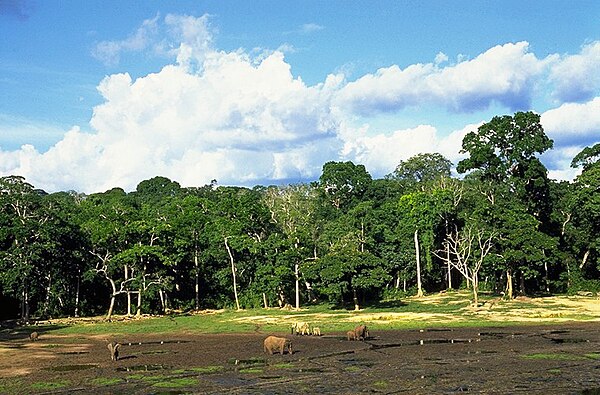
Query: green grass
x=208 y=369
x=555 y=357
x=11 y=386
x=50 y=385
x=252 y=370
x=176 y=383
x=450 y=309
x=381 y=384
x=283 y=365
x=102 y=381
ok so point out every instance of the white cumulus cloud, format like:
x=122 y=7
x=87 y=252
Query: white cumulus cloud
x=243 y=118
x=504 y=74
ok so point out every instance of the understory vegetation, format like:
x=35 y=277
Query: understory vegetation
x=500 y=226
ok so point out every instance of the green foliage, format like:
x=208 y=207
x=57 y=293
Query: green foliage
x=346 y=238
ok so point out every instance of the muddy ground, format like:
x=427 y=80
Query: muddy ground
x=557 y=359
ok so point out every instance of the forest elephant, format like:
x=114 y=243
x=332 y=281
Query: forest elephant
x=351 y=335
x=274 y=343
x=114 y=351
x=316 y=331
x=34 y=336
x=300 y=328
x=361 y=332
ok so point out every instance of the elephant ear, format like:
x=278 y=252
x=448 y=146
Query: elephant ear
x=117 y=346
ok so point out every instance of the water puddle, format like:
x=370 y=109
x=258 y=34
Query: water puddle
x=561 y=341
x=155 y=342
x=70 y=368
x=231 y=381
x=591 y=391
x=143 y=368
x=357 y=362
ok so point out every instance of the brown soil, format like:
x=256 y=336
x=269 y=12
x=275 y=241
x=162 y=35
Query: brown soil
x=559 y=359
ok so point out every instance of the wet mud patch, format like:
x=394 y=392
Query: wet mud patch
x=495 y=360
x=69 y=368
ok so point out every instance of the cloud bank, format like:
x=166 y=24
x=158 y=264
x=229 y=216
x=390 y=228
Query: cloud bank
x=245 y=119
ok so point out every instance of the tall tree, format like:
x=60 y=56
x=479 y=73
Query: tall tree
x=503 y=155
x=344 y=183
x=585 y=207
x=292 y=209
x=421 y=170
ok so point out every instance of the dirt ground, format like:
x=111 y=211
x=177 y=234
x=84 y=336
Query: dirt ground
x=559 y=359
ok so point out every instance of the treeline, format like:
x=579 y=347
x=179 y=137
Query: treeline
x=347 y=239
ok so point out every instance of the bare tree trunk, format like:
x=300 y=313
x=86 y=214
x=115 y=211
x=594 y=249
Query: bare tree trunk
x=418 y=259
x=475 y=290
x=138 y=312
x=233 y=270
x=197 y=285
x=76 y=314
x=355 y=298
x=128 y=304
x=47 y=299
x=296 y=274
x=265 y=304
x=126 y=271
x=111 y=307
x=509 y=285
x=311 y=295
x=546 y=276
x=584 y=260
x=297 y=277
x=163 y=302
x=112 y=299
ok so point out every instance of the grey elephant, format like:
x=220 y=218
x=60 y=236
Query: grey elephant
x=34 y=336
x=274 y=343
x=351 y=335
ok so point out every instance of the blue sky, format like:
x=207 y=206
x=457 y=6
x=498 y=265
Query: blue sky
x=99 y=94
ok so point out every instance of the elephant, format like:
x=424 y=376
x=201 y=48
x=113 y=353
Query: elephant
x=114 y=351
x=316 y=331
x=34 y=336
x=274 y=343
x=351 y=335
x=361 y=332
x=300 y=328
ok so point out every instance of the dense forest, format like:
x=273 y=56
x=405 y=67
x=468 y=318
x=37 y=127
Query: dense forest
x=499 y=225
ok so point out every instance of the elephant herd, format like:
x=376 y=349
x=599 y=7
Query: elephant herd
x=273 y=344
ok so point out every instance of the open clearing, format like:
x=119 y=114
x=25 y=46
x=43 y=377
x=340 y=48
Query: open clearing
x=556 y=355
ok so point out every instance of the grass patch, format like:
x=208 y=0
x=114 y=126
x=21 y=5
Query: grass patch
x=554 y=357
x=593 y=355
x=554 y=371
x=50 y=385
x=176 y=383
x=251 y=370
x=353 y=369
x=283 y=365
x=381 y=384
x=448 y=309
x=208 y=369
x=102 y=381
x=11 y=386
x=51 y=346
